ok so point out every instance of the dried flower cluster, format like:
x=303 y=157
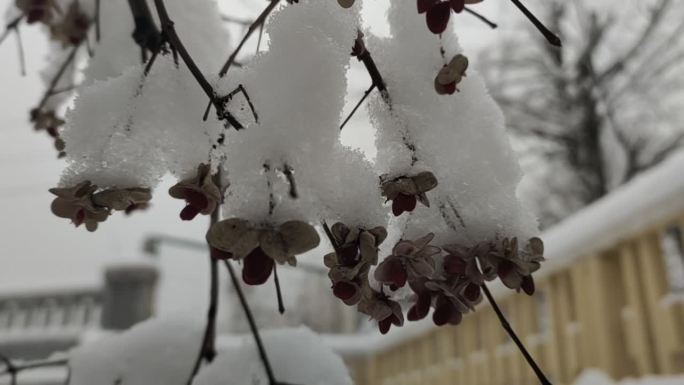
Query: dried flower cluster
x=72 y=29
x=356 y=251
x=49 y=122
x=405 y=191
x=448 y=279
x=83 y=204
x=201 y=193
x=38 y=11
x=260 y=247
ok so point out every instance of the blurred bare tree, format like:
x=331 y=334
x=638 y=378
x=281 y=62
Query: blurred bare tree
x=607 y=105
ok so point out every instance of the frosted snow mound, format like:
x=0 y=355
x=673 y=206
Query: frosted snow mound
x=158 y=351
x=298 y=88
x=117 y=51
x=103 y=141
x=298 y=356
x=127 y=130
x=461 y=138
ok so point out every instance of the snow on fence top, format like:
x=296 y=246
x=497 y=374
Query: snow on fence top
x=654 y=196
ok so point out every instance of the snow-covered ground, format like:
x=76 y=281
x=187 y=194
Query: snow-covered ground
x=596 y=377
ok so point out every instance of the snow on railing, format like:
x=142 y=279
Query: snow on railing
x=50 y=311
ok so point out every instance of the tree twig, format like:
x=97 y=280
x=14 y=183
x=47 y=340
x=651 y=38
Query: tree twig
x=13 y=369
x=169 y=32
x=235 y=20
x=253 y=27
x=20 y=47
x=55 y=80
x=358 y=104
x=481 y=17
x=367 y=59
x=10 y=369
x=98 y=34
x=511 y=333
x=551 y=37
x=279 y=294
x=289 y=175
x=252 y=325
x=208 y=349
x=12 y=25
x=331 y=238
x=145 y=32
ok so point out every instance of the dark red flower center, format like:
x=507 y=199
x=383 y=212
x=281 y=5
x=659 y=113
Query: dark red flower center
x=189 y=212
x=528 y=285
x=196 y=198
x=472 y=292
x=344 y=290
x=457 y=5
x=438 y=17
x=403 y=202
x=426 y=5
x=349 y=255
x=505 y=268
x=257 y=267
x=454 y=265
x=79 y=217
x=442 y=314
x=219 y=254
x=421 y=308
x=384 y=325
x=394 y=273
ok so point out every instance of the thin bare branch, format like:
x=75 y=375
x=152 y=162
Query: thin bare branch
x=13 y=25
x=253 y=27
x=58 y=76
x=169 y=32
x=507 y=327
x=654 y=21
x=358 y=104
x=481 y=17
x=551 y=37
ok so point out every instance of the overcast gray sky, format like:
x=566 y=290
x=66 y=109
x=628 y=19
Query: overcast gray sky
x=40 y=251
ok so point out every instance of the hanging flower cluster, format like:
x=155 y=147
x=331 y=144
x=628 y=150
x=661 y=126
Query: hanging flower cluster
x=38 y=11
x=448 y=279
x=83 y=204
x=437 y=12
x=48 y=121
x=73 y=28
x=260 y=247
x=356 y=251
x=200 y=192
x=405 y=192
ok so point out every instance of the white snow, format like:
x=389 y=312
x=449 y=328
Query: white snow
x=151 y=124
x=298 y=88
x=460 y=138
x=157 y=351
x=597 y=377
x=298 y=356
